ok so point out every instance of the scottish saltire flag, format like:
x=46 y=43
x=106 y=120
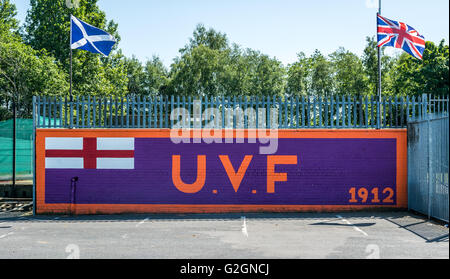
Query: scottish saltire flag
x=400 y=35
x=90 y=38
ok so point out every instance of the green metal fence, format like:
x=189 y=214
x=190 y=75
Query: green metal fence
x=290 y=112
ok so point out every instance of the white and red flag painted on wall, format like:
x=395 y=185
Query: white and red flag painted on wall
x=89 y=153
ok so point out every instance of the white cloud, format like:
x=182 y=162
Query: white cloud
x=372 y=4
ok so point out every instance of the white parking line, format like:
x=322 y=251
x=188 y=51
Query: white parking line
x=5 y=235
x=354 y=227
x=244 y=226
x=142 y=222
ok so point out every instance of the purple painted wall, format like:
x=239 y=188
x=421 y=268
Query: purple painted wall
x=326 y=171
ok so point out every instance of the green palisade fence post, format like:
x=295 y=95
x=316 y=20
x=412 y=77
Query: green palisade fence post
x=122 y=116
x=360 y=110
x=373 y=121
x=83 y=112
x=349 y=118
x=366 y=110
x=55 y=110
x=345 y=111
x=155 y=112
x=314 y=111
x=71 y=113
x=110 y=112
x=332 y=103
x=191 y=112
x=144 y=112
x=65 y=112
x=77 y=112
x=308 y=112
x=105 y=112
x=61 y=112
x=390 y=113
x=127 y=111
x=161 y=116
x=94 y=112
x=138 y=105
x=133 y=111
x=89 y=111
x=172 y=100
x=285 y=125
x=44 y=103
x=167 y=113
x=223 y=112
x=338 y=111
x=151 y=111
x=303 y=112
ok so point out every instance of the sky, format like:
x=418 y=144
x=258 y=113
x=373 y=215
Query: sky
x=278 y=28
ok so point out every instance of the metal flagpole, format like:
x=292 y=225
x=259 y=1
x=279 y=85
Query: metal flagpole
x=14 y=147
x=66 y=109
x=70 y=47
x=379 y=72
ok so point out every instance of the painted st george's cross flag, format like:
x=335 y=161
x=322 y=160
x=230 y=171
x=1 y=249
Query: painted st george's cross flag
x=90 y=38
x=90 y=153
x=400 y=35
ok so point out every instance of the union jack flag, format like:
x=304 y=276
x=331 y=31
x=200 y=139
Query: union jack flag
x=400 y=35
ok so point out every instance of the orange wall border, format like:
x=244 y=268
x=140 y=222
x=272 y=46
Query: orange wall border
x=43 y=208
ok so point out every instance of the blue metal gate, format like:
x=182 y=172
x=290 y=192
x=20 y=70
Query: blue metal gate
x=428 y=166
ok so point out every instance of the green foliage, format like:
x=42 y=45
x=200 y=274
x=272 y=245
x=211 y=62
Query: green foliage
x=7 y=17
x=349 y=75
x=48 y=27
x=321 y=74
x=35 y=61
x=370 y=63
x=156 y=76
x=299 y=79
x=208 y=66
x=428 y=76
x=25 y=72
x=150 y=79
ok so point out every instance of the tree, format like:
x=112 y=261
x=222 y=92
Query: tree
x=8 y=22
x=136 y=76
x=266 y=75
x=298 y=80
x=47 y=25
x=209 y=38
x=156 y=76
x=47 y=28
x=348 y=73
x=413 y=77
x=370 y=63
x=322 y=82
x=199 y=72
x=208 y=66
x=25 y=72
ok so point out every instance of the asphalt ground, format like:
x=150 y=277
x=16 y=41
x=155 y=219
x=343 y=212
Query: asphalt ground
x=383 y=235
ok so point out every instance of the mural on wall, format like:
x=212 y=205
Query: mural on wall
x=146 y=171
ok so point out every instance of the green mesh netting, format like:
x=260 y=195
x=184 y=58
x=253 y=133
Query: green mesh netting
x=24 y=148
